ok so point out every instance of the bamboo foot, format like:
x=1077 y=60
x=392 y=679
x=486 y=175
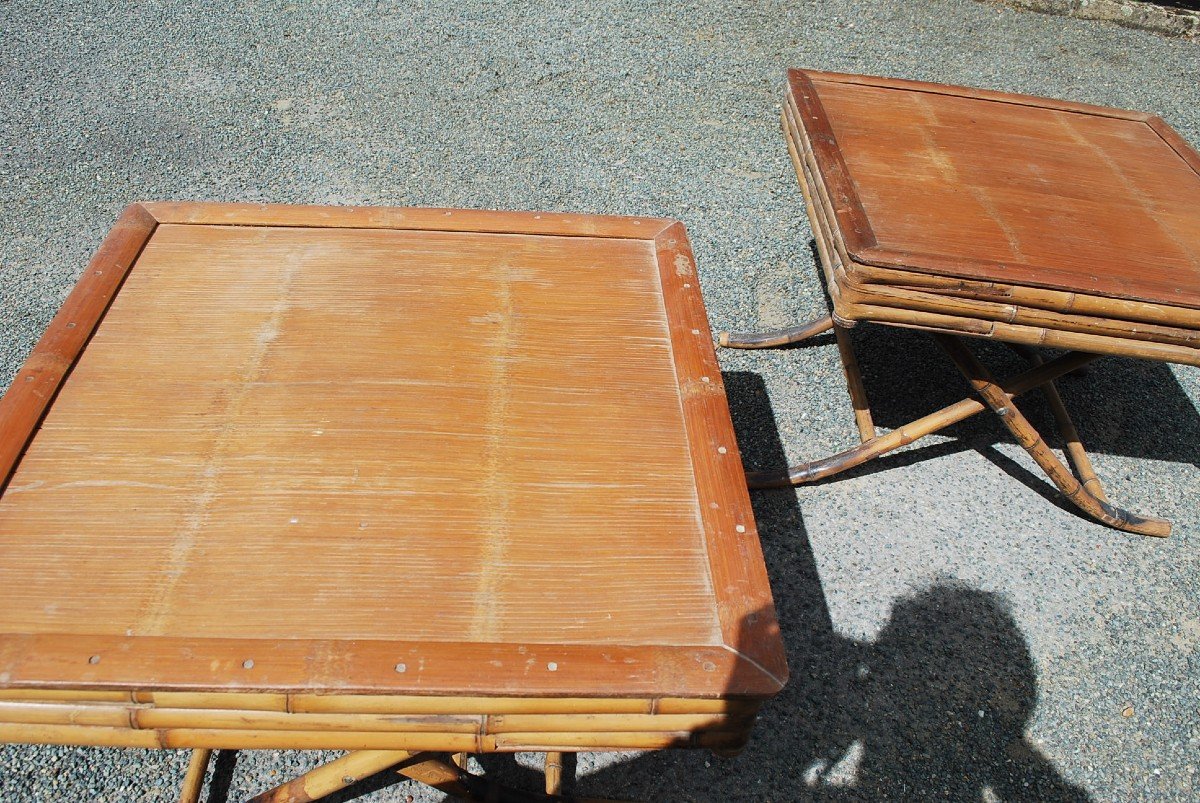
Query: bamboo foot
x=1028 y=437
x=882 y=444
x=193 y=782
x=776 y=338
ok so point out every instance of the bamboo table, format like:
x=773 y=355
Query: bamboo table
x=402 y=482
x=964 y=212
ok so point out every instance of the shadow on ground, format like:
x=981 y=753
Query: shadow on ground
x=1133 y=408
x=936 y=706
x=1121 y=406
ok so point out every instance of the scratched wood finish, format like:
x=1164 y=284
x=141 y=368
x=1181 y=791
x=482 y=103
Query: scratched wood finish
x=390 y=452
x=1004 y=188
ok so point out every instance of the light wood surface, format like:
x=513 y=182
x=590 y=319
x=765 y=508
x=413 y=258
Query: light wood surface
x=390 y=455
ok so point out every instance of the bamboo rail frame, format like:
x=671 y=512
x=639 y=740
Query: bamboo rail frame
x=382 y=731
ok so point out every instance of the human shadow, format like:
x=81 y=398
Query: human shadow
x=935 y=706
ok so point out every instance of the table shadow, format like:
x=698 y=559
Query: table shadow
x=1121 y=406
x=935 y=706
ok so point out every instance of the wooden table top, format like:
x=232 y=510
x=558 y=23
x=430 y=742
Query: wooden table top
x=392 y=451
x=1007 y=188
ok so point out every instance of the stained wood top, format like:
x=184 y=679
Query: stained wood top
x=999 y=187
x=401 y=451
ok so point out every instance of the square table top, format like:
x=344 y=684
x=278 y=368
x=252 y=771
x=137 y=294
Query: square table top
x=371 y=450
x=1008 y=188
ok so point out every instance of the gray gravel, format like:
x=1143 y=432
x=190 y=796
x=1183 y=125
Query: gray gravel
x=954 y=630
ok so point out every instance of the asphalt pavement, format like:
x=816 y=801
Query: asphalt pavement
x=954 y=629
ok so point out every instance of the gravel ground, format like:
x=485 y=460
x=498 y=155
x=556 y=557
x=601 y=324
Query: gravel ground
x=953 y=629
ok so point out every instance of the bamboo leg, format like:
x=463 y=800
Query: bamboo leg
x=329 y=778
x=1072 y=444
x=882 y=444
x=554 y=771
x=1028 y=437
x=193 y=781
x=436 y=773
x=858 y=393
x=777 y=337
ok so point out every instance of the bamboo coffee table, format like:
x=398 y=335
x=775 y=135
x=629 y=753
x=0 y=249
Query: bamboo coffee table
x=410 y=483
x=964 y=212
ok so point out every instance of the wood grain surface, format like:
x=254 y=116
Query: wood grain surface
x=390 y=454
x=997 y=187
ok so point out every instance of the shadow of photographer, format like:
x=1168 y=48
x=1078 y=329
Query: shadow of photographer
x=936 y=706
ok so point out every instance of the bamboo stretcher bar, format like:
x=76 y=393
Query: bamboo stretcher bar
x=1130 y=316
x=915 y=430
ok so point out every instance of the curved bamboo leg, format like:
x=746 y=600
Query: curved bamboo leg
x=1031 y=441
x=777 y=337
x=193 y=782
x=1072 y=444
x=882 y=444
